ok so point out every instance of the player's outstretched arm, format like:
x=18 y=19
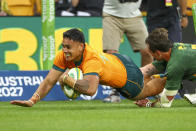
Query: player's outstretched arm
x=22 y=103
x=42 y=90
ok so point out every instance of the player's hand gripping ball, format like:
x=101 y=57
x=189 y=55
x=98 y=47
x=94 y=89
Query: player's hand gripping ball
x=77 y=74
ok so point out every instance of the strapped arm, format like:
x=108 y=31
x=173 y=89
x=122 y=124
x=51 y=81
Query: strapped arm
x=166 y=98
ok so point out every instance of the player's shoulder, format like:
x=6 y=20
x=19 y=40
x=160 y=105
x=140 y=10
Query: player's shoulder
x=90 y=53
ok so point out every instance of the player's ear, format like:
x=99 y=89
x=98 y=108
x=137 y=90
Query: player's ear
x=81 y=47
x=157 y=52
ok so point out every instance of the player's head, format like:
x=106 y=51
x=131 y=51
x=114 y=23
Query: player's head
x=158 y=41
x=73 y=44
x=75 y=35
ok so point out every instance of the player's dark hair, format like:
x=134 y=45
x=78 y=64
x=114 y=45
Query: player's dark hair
x=158 y=40
x=75 y=35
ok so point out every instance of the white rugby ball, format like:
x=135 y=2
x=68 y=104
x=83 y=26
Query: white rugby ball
x=77 y=74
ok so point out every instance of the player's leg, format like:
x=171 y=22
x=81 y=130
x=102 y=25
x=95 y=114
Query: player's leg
x=174 y=29
x=134 y=83
x=136 y=33
x=114 y=97
x=188 y=90
x=152 y=88
x=112 y=35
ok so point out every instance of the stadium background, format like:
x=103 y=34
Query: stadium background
x=21 y=53
x=21 y=39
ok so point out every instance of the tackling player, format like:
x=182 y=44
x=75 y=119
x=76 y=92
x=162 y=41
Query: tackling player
x=177 y=61
x=115 y=70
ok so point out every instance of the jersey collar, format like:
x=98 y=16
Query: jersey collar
x=77 y=63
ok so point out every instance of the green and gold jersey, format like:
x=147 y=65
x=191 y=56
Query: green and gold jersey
x=108 y=67
x=182 y=65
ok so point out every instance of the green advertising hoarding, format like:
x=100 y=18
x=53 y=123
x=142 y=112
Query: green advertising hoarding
x=194 y=15
x=21 y=40
x=48 y=29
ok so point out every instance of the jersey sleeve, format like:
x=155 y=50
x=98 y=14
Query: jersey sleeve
x=92 y=67
x=59 y=62
x=174 y=80
x=174 y=76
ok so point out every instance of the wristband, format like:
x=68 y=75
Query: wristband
x=65 y=77
x=69 y=81
x=74 y=84
x=35 y=98
x=37 y=95
x=31 y=102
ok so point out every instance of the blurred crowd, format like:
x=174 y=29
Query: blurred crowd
x=63 y=7
x=20 y=7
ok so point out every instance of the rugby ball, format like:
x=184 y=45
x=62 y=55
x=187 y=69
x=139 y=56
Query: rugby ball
x=77 y=74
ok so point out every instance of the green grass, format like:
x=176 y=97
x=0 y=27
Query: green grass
x=96 y=116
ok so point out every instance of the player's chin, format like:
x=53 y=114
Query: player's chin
x=68 y=58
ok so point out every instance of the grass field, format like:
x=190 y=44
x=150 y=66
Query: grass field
x=96 y=116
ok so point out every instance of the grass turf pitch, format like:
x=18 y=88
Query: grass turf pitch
x=96 y=116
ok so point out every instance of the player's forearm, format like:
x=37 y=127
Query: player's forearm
x=148 y=71
x=41 y=92
x=83 y=86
